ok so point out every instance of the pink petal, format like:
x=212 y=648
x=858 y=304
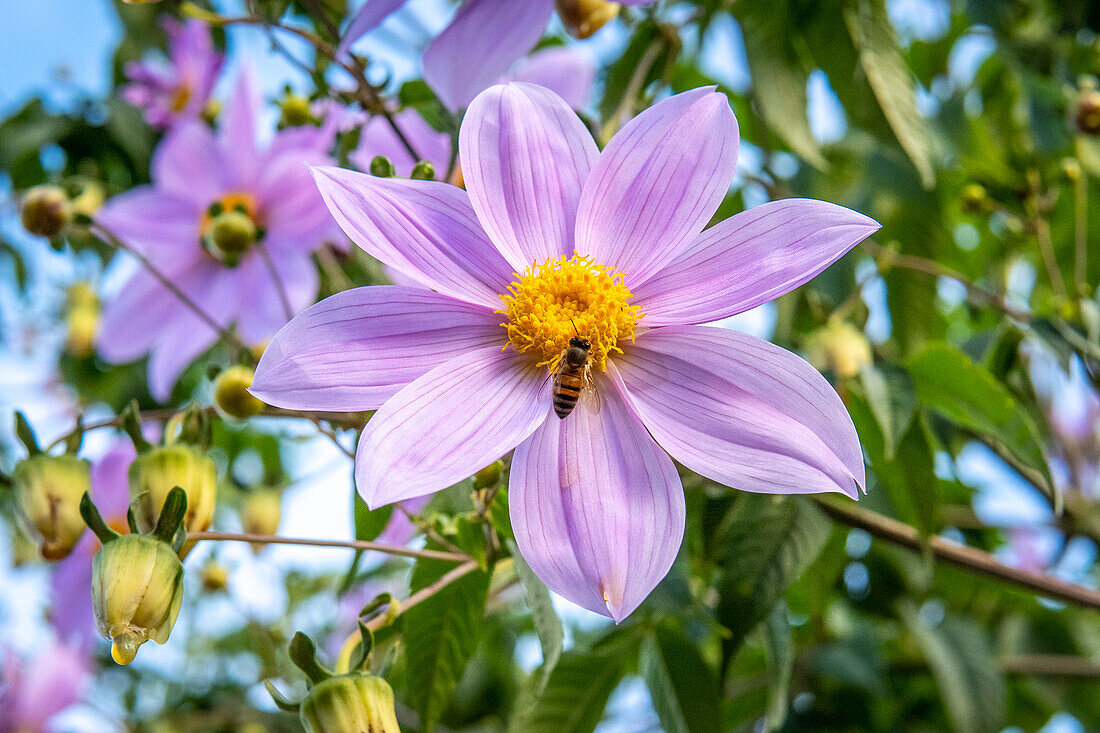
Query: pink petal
x=189 y=338
x=260 y=311
x=425 y=229
x=658 y=182
x=368 y=18
x=525 y=156
x=449 y=423
x=749 y=259
x=483 y=40
x=237 y=129
x=189 y=164
x=741 y=411
x=357 y=349
x=159 y=224
x=567 y=71
x=378 y=138
x=597 y=507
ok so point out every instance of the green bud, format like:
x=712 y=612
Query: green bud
x=214 y=576
x=382 y=167
x=46 y=211
x=488 y=476
x=350 y=703
x=231 y=395
x=154 y=473
x=839 y=346
x=973 y=197
x=260 y=514
x=423 y=171
x=137 y=589
x=232 y=233
x=295 y=111
x=47 y=492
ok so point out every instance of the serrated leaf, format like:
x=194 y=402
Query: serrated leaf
x=441 y=635
x=893 y=401
x=779 y=651
x=683 y=687
x=962 y=661
x=948 y=381
x=778 y=75
x=770 y=542
x=892 y=82
x=549 y=629
x=577 y=691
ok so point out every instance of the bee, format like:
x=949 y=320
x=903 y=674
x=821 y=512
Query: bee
x=573 y=379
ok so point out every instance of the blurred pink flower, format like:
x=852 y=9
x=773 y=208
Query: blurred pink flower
x=32 y=691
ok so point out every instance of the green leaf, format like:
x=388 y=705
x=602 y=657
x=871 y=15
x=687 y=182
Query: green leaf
x=440 y=635
x=547 y=626
x=683 y=687
x=948 y=381
x=779 y=650
x=893 y=401
x=369 y=524
x=892 y=82
x=778 y=75
x=578 y=689
x=770 y=542
x=959 y=654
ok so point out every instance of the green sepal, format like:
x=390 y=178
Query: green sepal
x=382 y=167
x=26 y=434
x=194 y=426
x=366 y=646
x=281 y=701
x=171 y=516
x=131 y=520
x=131 y=423
x=92 y=518
x=76 y=437
x=303 y=652
x=423 y=171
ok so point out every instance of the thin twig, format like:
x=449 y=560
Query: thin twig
x=280 y=286
x=264 y=539
x=968 y=558
x=1056 y=665
x=423 y=594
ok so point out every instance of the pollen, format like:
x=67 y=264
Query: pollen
x=563 y=298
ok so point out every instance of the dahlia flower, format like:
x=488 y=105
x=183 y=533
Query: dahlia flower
x=178 y=88
x=223 y=211
x=555 y=240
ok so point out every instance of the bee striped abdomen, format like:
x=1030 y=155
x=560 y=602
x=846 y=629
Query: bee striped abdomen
x=567 y=390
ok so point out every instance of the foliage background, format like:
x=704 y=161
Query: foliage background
x=778 y=614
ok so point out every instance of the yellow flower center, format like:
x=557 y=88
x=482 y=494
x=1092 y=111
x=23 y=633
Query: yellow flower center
x=245 y=203
x=181 y=97
x=567 y=297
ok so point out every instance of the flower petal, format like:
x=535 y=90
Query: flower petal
x=161 y=225
x=449 y=423
x=597 y=508
x=190 y=338
x=749 y=259
x=567 y=71
x=367 y=19
x=525 y=156
x=260 y=310
x=424 y=229
x=483 y=40
x=357 y=349
x=658 y=182
x=741 y=411
x=190 y=164
x=237 y=129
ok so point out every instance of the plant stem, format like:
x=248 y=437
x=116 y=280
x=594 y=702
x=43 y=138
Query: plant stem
x=968 y=558
x=424 y=593
x=1059 y=665
x=349 y=544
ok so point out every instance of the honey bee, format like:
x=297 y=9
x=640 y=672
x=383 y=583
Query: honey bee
x=573 y=379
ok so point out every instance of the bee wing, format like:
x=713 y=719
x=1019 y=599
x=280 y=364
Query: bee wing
x=590 y=396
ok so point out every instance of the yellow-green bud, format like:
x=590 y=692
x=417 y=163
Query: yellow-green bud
x=423 y=171
x=1086 y=114
x=260 y=514
x=382 y=167
x=46 y=211
x=839 y=346
x=90 y=199
x=154 y=473
x=295 y=111
x=232 y=233
x=137 y=589
x=211 y=110
x=582 y=18
x=214 y=576
x=488 y=476
x=973 y=197
x=81 y=320
x=231 y=395
x=47 y=494
x=350 y=703
x=1071 y=169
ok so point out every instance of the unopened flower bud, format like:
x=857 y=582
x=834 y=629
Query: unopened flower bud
x=90 y=199
x=232 y=233
x=46 y=211
x=350 y=703
x=295 y=111
x=81 y=320
x=155 y=472
x=231 y=395
x=839 y=346
x=488 y=476
x=1071 y=169
x=973 y=197
x=423 y=171
x=47 y=495
x=382 y=167
x=214 y=576
x=582 y=18
x=260 y=514
x=211 y=110
x=1086 y=114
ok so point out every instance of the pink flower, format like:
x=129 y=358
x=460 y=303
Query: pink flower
x=179 y=88
x=198 y=176
x=32 y=691
x=611 y=248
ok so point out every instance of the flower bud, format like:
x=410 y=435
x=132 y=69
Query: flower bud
x=973 y=198
x=46 y=211
x=90 y=199
x=81 y=319
x=350 y=703
x=382 y=167
x=47 y=496
x=214 y=576
x=295 y=111
x=155 y=472
x=839 y=346
x=210 y=111
x=423 y=171
x=232 y=233
x=1086 y=114
x=231 y=395
x=137 y=589
x=582 y=18
x=260 y=514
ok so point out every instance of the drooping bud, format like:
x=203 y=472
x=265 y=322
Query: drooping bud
x=231 y=395
x=232 y=233
x=423 y=171
x=154 y=473
x=337 y=704
x=214 y=576
x=137 y=579
x=295 y=111
x=382 y=167
x=839 y=346
x=47 y=495
x=46 y=211
x=260 y=514
x=582 y=18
